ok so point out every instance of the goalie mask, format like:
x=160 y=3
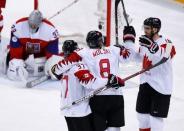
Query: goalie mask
x=34 y=20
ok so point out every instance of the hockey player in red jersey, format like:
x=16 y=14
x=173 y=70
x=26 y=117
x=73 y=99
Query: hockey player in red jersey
x=156 y=84
x=77 y=81
x=33 y=41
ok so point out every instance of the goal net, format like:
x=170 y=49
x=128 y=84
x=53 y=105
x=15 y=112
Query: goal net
x=83 y=16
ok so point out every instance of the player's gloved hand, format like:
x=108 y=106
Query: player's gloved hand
x=16 y=70
x=129 y=33
x=55 y=75
x=148 y=43
x=50 y=66
x=114 y=81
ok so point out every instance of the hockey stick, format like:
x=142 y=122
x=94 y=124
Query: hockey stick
x=38 y=81
x=85 y=98
x=107 y=87
x=69 y=5
x=116 y=21
x=116 y=18
x=78 y=37
x=124 y=12
x=72 y=35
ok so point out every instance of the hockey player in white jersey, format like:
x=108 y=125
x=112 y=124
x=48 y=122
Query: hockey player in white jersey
x=33 y=41
x=156 y=84
x=77 y=81
x=108 y=106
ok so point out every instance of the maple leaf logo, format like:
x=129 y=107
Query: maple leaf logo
x=146 y=62
x=125 y=53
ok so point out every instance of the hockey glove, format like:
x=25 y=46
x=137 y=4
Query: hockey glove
x=53 y=72
x=148 y=43
x=129 y=33
x=50 y=63
x=114 y=81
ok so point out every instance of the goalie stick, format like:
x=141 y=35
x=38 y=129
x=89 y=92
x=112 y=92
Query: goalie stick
x=107 y=87
x=69 y=5
x=71 y=35
x=38 y=81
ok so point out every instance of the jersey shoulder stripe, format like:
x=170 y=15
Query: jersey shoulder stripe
x=48 y=22
x=22 y=20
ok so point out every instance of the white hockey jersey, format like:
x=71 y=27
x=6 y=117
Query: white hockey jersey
x=101 y=62
x=77 y=82
x=161 y=77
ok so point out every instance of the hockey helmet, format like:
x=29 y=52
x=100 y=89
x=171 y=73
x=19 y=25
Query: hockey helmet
x=94 y=39
x=153 y=22
x=69 y=46
x=34 y=20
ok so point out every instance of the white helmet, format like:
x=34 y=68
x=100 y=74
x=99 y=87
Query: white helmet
x=34 y=20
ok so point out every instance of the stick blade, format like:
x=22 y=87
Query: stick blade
x=38 y=81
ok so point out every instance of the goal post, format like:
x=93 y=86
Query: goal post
x=106 y=14
x=108 y=22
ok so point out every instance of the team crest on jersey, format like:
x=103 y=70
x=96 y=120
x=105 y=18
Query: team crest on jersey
x=32 y=47
x=86 y=75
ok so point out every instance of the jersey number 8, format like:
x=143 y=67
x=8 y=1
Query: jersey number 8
x=104 y=68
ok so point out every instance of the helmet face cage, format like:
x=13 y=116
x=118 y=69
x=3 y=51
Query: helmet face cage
x=68 y=47
x=34 y=20
x=94 y=39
